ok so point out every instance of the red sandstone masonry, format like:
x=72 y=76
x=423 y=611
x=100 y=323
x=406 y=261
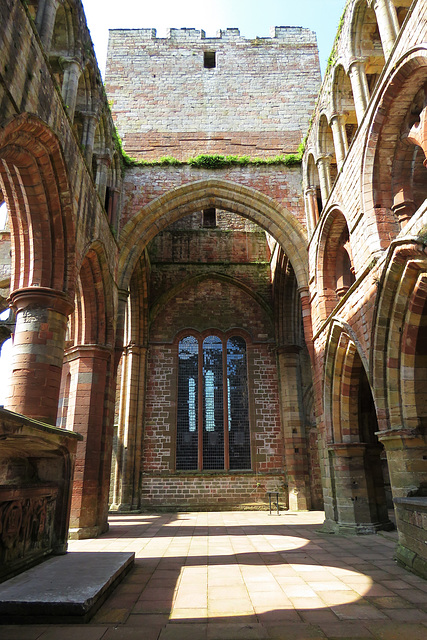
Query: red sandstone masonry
x=144 y=184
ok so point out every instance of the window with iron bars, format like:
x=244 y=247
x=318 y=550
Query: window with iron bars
x=213 y=406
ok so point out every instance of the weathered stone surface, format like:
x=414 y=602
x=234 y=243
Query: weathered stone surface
x=65 y=589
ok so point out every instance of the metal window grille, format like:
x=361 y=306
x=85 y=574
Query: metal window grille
x=187 y=422
x=213 y=407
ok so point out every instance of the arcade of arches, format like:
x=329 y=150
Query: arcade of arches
x=213 y=332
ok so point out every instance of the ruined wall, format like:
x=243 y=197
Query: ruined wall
x=250 y=103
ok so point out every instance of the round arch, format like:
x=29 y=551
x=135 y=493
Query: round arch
x=35 y=183
x=93 y=317
x=403 y=293
x=334 y=262
x=384 y=135
x=202 y=194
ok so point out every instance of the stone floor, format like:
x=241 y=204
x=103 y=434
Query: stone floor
x=247 y=576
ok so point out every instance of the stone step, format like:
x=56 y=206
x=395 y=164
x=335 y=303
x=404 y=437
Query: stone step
x=68 y=588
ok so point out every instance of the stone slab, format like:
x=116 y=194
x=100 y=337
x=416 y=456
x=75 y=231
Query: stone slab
x=68 y=588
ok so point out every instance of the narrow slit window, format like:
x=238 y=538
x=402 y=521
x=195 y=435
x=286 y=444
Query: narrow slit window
x=209 y=59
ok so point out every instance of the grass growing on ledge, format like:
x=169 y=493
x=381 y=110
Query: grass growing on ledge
x=216 y=161
x=210 y=161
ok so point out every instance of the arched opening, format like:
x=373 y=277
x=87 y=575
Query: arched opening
x=335 y=269
x=402 y=10
x=63 y=44
x=420 y=371
x=34 y=184
x=205 y=281
x=395 y=164
x=85 y=104
x=343 y=103
x=326 y=162
x=87 y=389
x=313 y=194
x=360 y=486
x=367 y=44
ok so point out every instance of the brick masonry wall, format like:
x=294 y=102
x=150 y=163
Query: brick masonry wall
x=211 y=304
x=165 y=102
x=177 y=254
x=214 y=490
x=144 y=184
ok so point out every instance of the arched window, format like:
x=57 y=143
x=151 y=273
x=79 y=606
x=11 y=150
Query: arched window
x=213 y=406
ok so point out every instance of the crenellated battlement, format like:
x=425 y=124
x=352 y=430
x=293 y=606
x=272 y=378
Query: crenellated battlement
x=187 y=34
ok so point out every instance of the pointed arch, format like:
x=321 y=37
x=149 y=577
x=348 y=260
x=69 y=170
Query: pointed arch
x=221 y=194
x=163 y=300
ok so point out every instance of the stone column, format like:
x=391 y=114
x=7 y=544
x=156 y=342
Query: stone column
x=388 y=24
x=45 y=21
x=340 y=138
x=311 y=208
x=359 y=506
x=70 y=85
x=418 y=133
x=88 y=136
x=112 y=207
x=360 y=88
x=90 y=369
x=126 y=491
x=403 y=207
x=323 y=167
x=293 y=429
x=103 y=164
x=38 y=351
x=407 y=459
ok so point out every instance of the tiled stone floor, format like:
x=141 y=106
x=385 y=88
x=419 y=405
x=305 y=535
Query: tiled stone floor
x=247 y=576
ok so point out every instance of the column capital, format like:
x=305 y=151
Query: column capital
x=41 y=297
x=99 y=351
x=356 y=63
x=324 y=157
x=310 y=191
x=288 y=348
x=123 y=294
x=338 y=117
x=135 y=349
x=347 y=449
x=69 y=62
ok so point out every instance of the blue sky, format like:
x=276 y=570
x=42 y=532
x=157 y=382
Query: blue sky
x=252 y=17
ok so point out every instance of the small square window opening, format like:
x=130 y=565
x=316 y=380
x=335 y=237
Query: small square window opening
x=209 y=218
x=209 y=59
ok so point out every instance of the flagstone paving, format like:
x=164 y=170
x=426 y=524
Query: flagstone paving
x=247 y=576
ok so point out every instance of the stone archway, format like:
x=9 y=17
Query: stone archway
x=200 y=195
x=156 y=217
x=34 y=182
x=355 y=499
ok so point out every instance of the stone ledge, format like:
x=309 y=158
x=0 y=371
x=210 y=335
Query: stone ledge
x=64 y=589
